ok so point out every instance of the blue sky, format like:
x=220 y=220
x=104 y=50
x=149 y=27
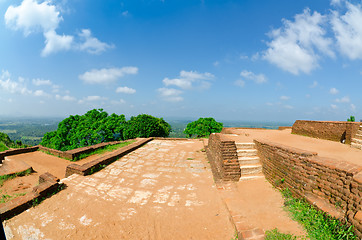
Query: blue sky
x=233 y=60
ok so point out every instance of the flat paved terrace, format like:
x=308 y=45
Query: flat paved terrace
x=163 y=190
x=324 y=148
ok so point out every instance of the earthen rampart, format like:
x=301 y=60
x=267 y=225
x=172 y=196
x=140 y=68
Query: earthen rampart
x=331 y=185
x=329 y=130
x=223 y=157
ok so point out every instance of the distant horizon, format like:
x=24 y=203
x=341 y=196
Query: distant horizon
x=189 y=59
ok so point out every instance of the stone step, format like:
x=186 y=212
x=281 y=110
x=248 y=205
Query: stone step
x=356 y=145
x=247 y=152
x=250 y=169
x=245 y=145
x=246 y=177
x=249 y=160
x=355 y=140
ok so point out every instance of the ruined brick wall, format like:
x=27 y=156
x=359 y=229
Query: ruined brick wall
x=17 y=151
x=334 y=131
x=223 y=157
x=333 y=186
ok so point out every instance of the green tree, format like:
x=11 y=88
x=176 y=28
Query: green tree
x=146 y=126
x=203 y=127
x=93 y=127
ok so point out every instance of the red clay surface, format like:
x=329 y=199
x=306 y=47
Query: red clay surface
x=324 y=148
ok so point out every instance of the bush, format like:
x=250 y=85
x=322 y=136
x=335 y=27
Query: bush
x=203 y=127
x=146 y=126
x=351 y=119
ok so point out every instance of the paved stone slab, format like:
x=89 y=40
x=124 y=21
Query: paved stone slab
x=163 y=190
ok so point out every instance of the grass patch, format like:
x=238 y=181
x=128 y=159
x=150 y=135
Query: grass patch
x=6 y=198
x=3 y=147
x=108 y=148
x=190 y=159
x=276 y=235
x=318 y=224
x=4 y=178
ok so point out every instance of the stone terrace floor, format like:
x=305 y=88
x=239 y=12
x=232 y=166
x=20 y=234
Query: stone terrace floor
x=324 y=148
x=163 y=190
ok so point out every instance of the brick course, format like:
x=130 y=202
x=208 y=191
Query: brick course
x=329 y=130
x=331 y=185
x=223 y=157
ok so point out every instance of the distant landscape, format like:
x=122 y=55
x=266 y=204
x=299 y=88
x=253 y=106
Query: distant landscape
x=31 y=130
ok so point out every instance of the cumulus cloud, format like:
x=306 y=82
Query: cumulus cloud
x=343 y=100
x=11 y=86
x=106 y=75
x=41 y=82
x=31 y=16
x=126 y=90
x=257 y=78
x=348 y=31
x=65 y=98
x=187 y=79
x=91 y=44
x=333 y=91
x=170 y=94
x=41 y=93
x=239 y=83
x=284 y=98
x=91 y=99
x=295 y=46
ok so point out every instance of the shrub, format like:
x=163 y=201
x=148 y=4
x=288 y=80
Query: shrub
x=203 y=127
x=351 y=119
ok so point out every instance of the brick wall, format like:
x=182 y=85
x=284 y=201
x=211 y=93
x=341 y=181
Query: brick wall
x=331 y=185
x=335 y=131
x=223 y=157
x=17 y=151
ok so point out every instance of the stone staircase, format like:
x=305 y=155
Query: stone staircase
x=249 y=161
x=357 y=140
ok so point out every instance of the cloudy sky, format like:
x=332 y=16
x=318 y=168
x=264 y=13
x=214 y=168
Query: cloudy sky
x=259 y=60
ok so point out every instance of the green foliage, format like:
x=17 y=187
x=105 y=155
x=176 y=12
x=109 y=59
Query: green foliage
x=3 y=147
x=146 y=126
x=4 y=178
x=319 y=225
x=203 y=127
x=276 y=235
x=351 y=119
x=107 y=148
x=94 y=127
x=6 y=198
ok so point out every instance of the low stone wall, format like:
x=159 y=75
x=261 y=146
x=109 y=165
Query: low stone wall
x=48 y=184
x=74 y=153
x=16 y=151
x=335 y=131
x=223 y=157
x=331 y=185
x=87 y=168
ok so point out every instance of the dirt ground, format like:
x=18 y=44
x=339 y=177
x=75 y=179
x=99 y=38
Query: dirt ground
x=324 y=148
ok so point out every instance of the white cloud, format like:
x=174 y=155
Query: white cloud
x=41 y=82
x=333 y=91
x=348 y=31
x=343 y=100
x=106 y=75
x=333 y=106
x=284 y=98
x=55 y=43
x=288 y=107
x=257 y=78
x=91 y=44
x=186 y=79
x=91 y=99
x=41 y=93
x=240 y=83
x=336 y=2
x=293 y=47
x=11 y=86
x=65 y=98
x=31 y=16
x=121 y=101
x=170 y=94
x=126 y=90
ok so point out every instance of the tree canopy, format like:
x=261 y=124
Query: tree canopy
x=97 y=126
x=203 y=127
